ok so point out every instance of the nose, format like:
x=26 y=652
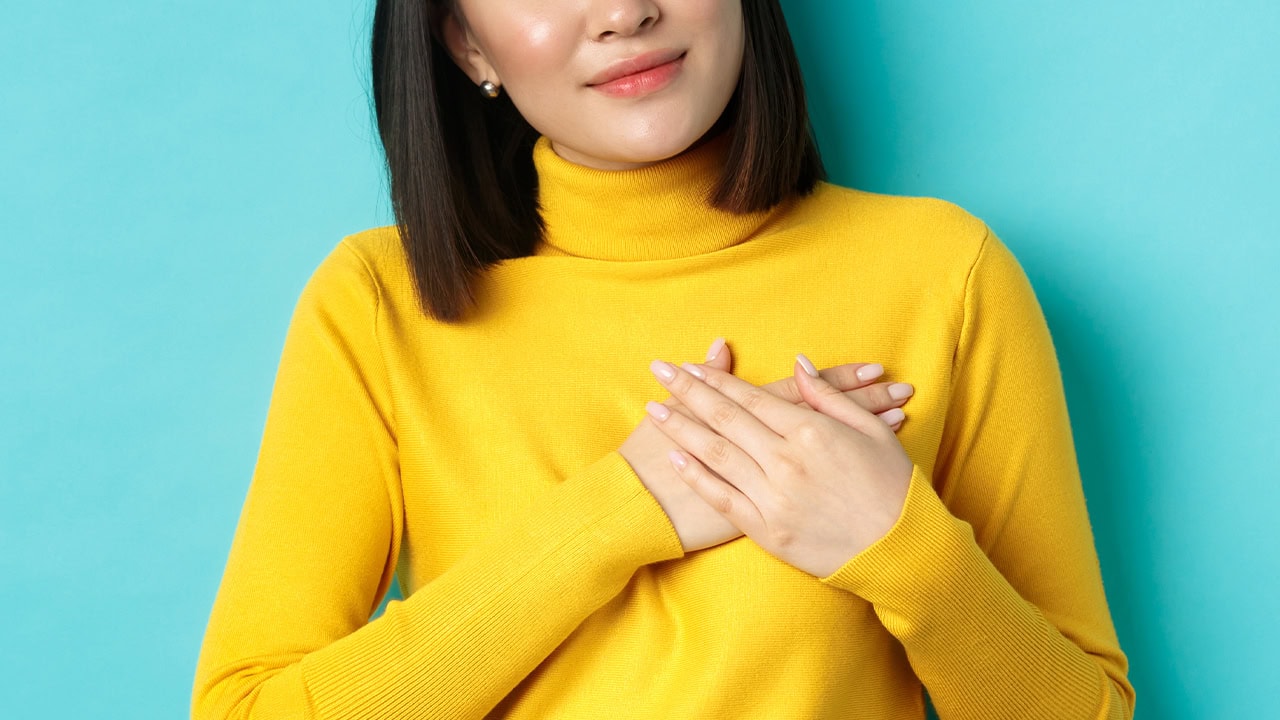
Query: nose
x=623 y=18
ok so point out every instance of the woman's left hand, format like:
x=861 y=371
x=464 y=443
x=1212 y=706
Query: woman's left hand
x=814 y=486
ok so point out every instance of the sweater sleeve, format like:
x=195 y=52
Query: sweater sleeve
x=991 y=581
x=316 y=547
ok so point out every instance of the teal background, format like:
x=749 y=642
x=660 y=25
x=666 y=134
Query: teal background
x=170 y=175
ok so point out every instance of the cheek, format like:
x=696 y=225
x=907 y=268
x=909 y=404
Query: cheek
x=723 y=17
x=719 y=23
x=530 y=48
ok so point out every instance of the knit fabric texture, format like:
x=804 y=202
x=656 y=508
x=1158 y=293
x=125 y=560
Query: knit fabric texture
x=478 y=464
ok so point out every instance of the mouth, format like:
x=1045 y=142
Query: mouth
x=640 y=75
x=636 y=65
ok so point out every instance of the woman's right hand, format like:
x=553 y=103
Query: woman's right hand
x=697 y=523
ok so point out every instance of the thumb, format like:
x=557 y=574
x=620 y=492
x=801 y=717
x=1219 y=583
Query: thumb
x=719 y=356
x=828 y=399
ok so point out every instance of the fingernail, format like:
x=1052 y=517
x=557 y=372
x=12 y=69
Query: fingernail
x=898 y=391
x=870 y=372
x=663 y=370
x=677 y=459
x=716 y=347
x=657 y=410
x=807 y=365
x=694 y=370
x=893 y=416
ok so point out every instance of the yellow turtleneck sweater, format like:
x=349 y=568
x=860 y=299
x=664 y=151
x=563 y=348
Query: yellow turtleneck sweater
x=541 y=579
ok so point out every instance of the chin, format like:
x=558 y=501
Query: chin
x=651 y=141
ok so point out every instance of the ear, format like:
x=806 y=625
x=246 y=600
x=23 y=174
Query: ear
x=461 y=44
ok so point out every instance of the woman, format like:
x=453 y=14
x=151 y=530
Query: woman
x=581 y=188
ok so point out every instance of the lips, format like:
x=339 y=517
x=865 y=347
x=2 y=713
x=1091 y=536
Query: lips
x=637 y=64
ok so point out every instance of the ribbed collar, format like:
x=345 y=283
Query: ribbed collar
x=656 y=212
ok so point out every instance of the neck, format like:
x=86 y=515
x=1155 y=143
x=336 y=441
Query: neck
x=653 y=212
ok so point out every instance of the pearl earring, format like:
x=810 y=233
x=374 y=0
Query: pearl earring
x=489 y=89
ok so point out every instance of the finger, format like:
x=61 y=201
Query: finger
x=849 y=376
x=830 y=401
x=715 y=451
x=722 y=496
x=881 y=396
x=719 y=356
x=724 y=416
x=893 y=417
x=775 y=413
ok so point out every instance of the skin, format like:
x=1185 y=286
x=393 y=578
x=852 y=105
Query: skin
x=813 y=486
x=805 y=468
x=691 y=499
x=543 y=52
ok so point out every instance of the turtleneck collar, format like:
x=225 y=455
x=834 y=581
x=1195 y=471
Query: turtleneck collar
x=657 y=212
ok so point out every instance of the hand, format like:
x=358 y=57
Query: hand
x=698 y=524
x=814 y=487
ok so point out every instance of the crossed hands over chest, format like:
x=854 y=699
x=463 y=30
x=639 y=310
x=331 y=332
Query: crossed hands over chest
x=808 y=466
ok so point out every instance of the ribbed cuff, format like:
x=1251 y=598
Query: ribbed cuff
x=640 y=530
x=464 y=639
x=917 y=561
x=972 y=639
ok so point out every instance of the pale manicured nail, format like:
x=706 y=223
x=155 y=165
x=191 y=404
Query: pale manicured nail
x=807 y=365
x=870 y=372
x=663 y=370
x=893 y=416
x=677 y=459
x=657 y=410
x=898 y=391
x=716 y=347
x=694 y=370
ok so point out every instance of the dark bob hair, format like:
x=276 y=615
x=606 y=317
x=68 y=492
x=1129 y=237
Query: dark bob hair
x=460 y=165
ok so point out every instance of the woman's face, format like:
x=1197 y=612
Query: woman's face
x=549 y=56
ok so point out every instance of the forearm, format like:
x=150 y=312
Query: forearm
x=977 y=645
x=460 y=643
